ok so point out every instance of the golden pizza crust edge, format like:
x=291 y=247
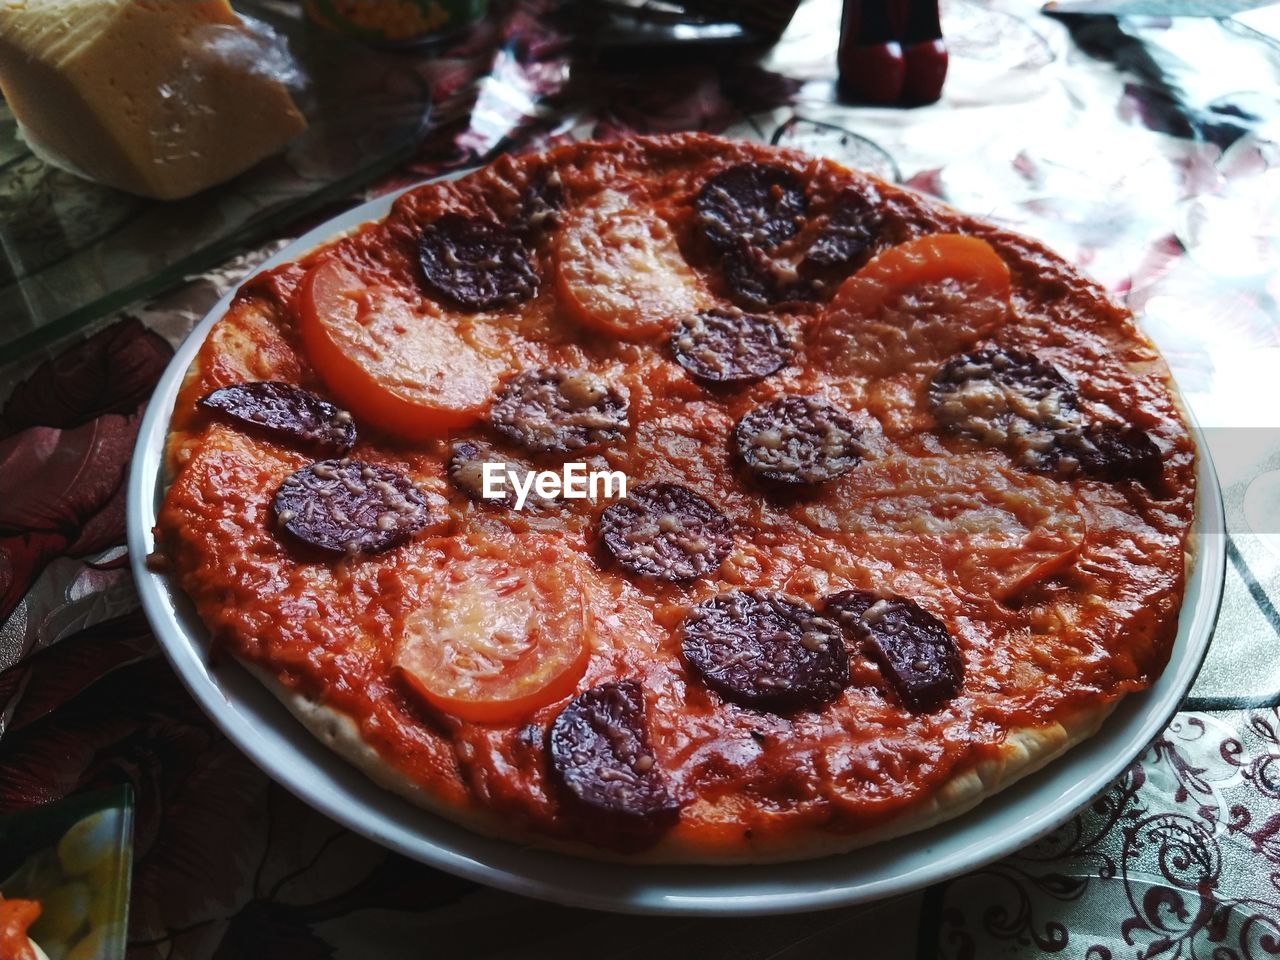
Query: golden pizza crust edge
x=1024 y=752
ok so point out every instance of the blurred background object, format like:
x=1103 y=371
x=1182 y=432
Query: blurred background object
x=891 y=52
x=73 y=859
x=925 y=53
x=648 y=23
x=72 y=250
x=397 y=23
x=872 y=67
x=1155 y=8
x=206 y=101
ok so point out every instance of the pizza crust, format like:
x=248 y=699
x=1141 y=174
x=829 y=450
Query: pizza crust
x=1023 y=752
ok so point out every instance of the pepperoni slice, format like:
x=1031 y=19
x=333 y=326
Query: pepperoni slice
x=600 y=754
x=667 y=532
x=757 y=203
x=849 y=233
x=559 y=410
x=1111 y=452
x=730 y=347
x=284 y=411
x=915 y=651
x=476 y=264
x=798 y=440
x=761 y=650
x=349 y=507
x=1009 y=399
x=620 y=271
x=465 y=467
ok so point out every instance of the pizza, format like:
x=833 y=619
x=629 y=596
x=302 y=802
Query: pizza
x=903 y=502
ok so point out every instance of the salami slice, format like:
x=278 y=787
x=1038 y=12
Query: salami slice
x=475 y=264
x=539 y=206
x=559 y=410
x=798 y=440
x=758 y=203
x=723 y=347
x=761 y=650
x=848 y=235
x=349 y=507
x=465 y=466
x=752 y=278
x=756 y=280
x=916 y=653
x=600 y=754
x=1009 y=399
x=1111 y=452
x=283 y=411
x=666 y=532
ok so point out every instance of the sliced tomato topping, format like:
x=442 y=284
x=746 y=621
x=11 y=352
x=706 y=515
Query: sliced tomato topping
x=16 y=916
x=499 y=636
x=620 y=271
x=990 y=529
x=917 y=303
x=402 y=369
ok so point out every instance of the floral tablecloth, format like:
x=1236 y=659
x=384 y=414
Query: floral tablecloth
x=1143 y=149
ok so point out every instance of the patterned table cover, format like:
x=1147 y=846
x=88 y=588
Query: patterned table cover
x=1145 y=150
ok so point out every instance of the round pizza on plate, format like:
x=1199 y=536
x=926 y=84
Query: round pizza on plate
x=895 y=507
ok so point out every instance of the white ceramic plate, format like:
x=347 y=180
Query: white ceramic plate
x=260 y=726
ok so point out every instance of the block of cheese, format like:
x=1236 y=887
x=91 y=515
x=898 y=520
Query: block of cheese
x=157 y=97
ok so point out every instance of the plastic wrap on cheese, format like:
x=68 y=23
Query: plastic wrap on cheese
x=161 y=98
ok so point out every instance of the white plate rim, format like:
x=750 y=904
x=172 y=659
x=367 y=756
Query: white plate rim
x=263 y=729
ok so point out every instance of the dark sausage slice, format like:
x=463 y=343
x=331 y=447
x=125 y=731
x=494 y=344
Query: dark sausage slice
x=761 y=650
x=757 y=203
x=476 y=264
x=916 y=653
x=1015 y=401
x=1112 y=452
x=283 y=411
x=798 y=440
x=465 y=467
x=559 y=410
x=848 y=235
x=730 y=347
x=1008 y=399
x=752 y=278
x=666 y=532
x=600 y=754
x=349 y=507
x=538 y=208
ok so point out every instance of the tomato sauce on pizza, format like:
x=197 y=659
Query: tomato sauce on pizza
x=909 y=501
